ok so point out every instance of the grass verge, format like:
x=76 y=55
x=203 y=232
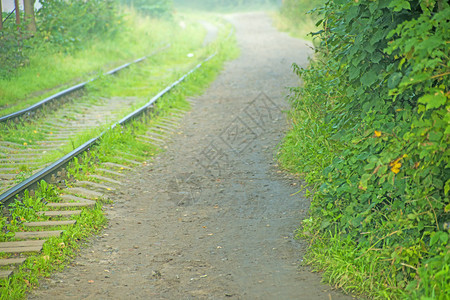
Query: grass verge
x=47 y=73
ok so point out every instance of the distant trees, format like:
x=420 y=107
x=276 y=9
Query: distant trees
x=221 y=4
x=1 y=15
x=154 y=8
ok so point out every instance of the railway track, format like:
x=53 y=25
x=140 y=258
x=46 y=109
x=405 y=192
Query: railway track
x=31 y=111
x=24 y=165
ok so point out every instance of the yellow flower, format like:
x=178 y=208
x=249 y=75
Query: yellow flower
x=396 y=164
x=377 y=133
x=25 y=143
x=396 y=168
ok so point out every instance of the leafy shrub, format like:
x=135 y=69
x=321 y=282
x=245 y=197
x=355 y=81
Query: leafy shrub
x=71 y=23
x=12 y=54
x=385 y=184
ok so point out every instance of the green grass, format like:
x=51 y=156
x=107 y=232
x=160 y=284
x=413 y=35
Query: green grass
x=47 y=73
x=341 y=265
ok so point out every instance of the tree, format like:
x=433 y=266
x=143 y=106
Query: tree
x=29 y=15
x=1 y=15
x=17 y=10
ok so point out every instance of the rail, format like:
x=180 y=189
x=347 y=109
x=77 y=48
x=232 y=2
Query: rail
x=9 y=195
x=72 y=89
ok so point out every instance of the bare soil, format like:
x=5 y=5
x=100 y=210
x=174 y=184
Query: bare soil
x=212 y=217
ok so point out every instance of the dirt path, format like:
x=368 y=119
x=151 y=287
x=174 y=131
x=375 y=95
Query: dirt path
x=212 y=217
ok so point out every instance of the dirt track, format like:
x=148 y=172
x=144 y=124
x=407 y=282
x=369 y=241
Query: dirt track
x=212 y=217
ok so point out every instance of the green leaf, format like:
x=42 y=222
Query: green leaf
x=433 y=100
x=434 y=238
x=444 y=238
x=447 y=208
x=364 y=179
x=398 y=5
x=446 y=189
x=353 y=73
x=394 y=80
x=376 y=57
x=369 y=78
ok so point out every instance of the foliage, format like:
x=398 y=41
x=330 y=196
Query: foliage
x=385 y=183
x=153 y=8
x=209 y=5
x=11 y=50
x=70 y=24
x=63 y=26
x=48 y=72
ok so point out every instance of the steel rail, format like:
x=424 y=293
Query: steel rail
x=72 y=89
x=9 y=195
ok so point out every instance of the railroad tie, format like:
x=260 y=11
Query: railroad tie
x=22 y=246
x=5 y=274
x=110 y=172
x=116 y=166
x=89 y=194
x=130 y=161
x=95 y=186
x=29 y=243
x=59 y=213
x=50 y=223
x=105 y=179
x=37 y=234
x=12 y=261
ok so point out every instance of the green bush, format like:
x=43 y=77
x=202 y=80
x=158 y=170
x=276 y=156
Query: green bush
x=382 y=81
x=63 y=26
x=12 y=55
x=70 y=24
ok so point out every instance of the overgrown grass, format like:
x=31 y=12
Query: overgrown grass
x=374 y=150
x=48 y=72
x=341 y=264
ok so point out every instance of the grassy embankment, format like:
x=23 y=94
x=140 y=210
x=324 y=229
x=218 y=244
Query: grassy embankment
x=370 y=134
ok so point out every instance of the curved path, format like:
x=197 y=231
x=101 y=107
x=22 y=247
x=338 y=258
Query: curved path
x=212 y=217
